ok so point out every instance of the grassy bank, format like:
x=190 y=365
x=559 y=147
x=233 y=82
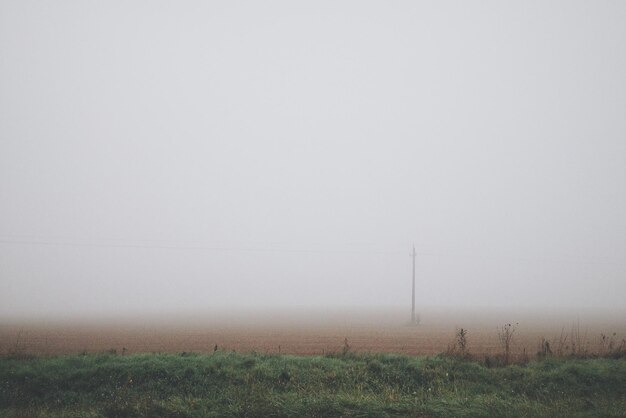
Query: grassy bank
x=229 y=384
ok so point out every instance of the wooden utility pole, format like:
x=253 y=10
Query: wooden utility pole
x=413 y=254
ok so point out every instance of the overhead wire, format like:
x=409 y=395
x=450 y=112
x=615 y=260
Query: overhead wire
x=199 y=246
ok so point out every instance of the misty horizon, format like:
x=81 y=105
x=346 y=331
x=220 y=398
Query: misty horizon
x=177 y=159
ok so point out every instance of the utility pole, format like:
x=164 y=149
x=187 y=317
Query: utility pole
x=413 y=254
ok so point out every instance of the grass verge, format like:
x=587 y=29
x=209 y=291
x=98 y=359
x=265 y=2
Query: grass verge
x=348 y=385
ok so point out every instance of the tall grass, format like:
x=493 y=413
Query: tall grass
x=226 y=384
x=575 y=344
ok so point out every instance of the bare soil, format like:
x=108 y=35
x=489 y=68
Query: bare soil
x=313 y=332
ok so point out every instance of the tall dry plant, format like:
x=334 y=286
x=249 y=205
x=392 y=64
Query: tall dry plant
x=460 y=346
x=505 y=335
x=579 y=341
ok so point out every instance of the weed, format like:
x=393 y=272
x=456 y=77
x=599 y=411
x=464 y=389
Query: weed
x=345 y=350
x=459 y=348
x=505 y=335
x=610 y=348
x=579 y=341
x=544 y=349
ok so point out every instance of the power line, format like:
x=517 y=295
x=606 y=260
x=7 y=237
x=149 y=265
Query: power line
x=555 y=260
x=180 y=246
x=192 y=247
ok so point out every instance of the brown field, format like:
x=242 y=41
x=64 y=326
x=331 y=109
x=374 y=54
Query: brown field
x=311 y=332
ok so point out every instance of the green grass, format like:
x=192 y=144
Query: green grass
x=237 y=385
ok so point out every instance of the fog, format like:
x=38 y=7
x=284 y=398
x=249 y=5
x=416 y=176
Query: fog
x=195 y=155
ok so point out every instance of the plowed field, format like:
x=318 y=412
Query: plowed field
x=313 y=332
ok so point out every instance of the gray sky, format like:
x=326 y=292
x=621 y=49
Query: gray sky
x=200 y=154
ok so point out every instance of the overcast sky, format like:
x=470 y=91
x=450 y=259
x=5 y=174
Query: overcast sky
x=181 y=155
